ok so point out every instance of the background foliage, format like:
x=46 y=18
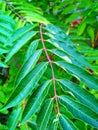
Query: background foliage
x=48 y=65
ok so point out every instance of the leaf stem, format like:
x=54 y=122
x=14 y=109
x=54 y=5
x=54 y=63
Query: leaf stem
x=13 y=10
x=51 y=66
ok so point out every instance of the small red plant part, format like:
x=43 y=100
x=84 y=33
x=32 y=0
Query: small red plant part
x=75 y=22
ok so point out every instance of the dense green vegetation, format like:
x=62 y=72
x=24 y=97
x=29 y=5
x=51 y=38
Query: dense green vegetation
x=48 y=65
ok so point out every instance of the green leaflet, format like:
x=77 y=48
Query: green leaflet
x=3 y=50
x=53 y=124
x=26 y=85
x=90 y=80
x=68 y=9
x=7 y=19
x=3 y=39
x=66 y=123
x=5 y=32
x=81 y=28
x=81 y=94
x=27 y=66
x=72 y=17
x=91 y=33
x=44 y=115
x=35 y=101
x=20 y=43
x=14 y=118
x=27 y=7
x=80 y=111
x=19 y=33
x=6 y=26
x=66 y=57
x=31 y=49
x=93 y=57
x=32 y=125
x=3 y=5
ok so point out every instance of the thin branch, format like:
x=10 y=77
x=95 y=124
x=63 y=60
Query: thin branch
x=53 y=76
